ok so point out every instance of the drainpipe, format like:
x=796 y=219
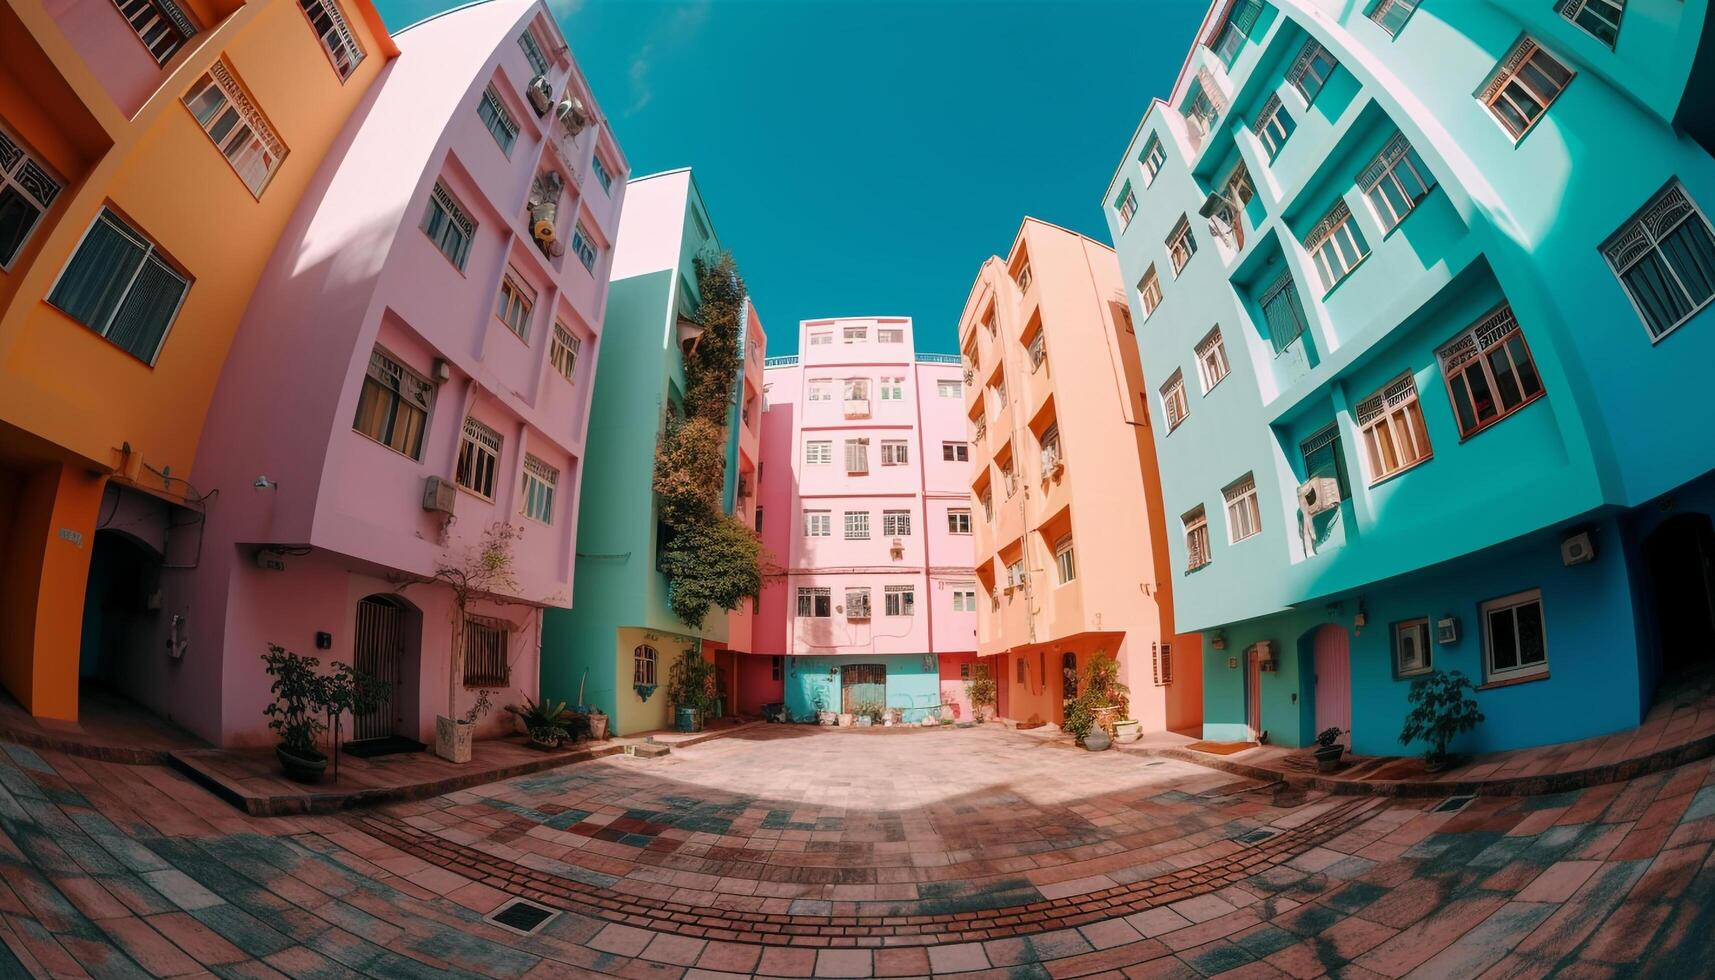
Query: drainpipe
x=923 y=499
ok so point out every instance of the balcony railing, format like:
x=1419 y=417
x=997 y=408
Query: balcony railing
x=937 y=358
x=784 y=360
x=857 y=408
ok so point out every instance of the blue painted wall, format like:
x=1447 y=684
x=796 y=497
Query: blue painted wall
x=913 y=683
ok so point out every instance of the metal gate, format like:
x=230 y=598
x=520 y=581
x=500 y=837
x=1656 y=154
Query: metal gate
x=380 y=652
x=862 y=684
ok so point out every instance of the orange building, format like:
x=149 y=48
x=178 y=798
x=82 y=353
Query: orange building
x=151 y=154
x=1070 y=541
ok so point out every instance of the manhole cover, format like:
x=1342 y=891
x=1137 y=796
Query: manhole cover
x=1452 y=804
x=522 y=916
x=1258 y=836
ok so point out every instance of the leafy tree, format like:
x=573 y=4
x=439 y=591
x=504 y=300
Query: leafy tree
x=483 y=571
x=715 y=561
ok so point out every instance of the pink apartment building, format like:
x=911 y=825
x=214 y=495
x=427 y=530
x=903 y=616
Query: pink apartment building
x=414 y=368
x=865 y=505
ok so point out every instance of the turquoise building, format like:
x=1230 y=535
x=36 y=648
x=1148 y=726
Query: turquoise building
x=1422 y=293
x=617 y=643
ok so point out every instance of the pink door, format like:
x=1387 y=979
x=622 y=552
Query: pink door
x=1333 y=682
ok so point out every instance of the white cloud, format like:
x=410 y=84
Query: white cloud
x=678 y=32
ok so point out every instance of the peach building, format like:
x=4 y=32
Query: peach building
x=151 y=153
x=865 y=507
x=1071 y=551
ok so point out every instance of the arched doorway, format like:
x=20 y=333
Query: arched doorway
x=1680 y=556
x=1332 y=679
x=382 y=642
x=120 y=604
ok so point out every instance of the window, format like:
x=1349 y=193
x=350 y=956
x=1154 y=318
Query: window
x=1149 y=292
x=1392 y=14
x=539 y=482
x=643 y=660
x=343 y=51
x=1514 y=642
x=485 y=642
x=999 y=397
x=1153 y=158
x=1064 y=563
x=965 y=600
x=1324 y=457
x=1022 y=670
x=988 y=505
x=1272 y=126
x=584 y=246
x=955 y=452
x=775 y=666
x=563 y=354
x=1489 y=371
x=1411 y=648
x=854 y=335
x=1523 y=86
x=821 y=338
x=1023 y=280
x=602 y=177
x=1598 y=18
x=1049 y=443
x=1212 y=359
x=895 y=452
x=857 y=525
x=815 y=603
x=1244 y=518
x=819 y=452
x=26 y=193
x=1181 y=245
x=822 y=390
x=1282 y=312
x=514 y=304
x=901 y=600
x=533 y=52
x=1173 y=401
x=239 y=130
x=160 y=24
x=1196 y=539
x=759 y=520
x=1038 y=350
x=119 y=285
x=1126 y=204
x=857 y=455
x=1015 y=573
x=959 y=521
x=497 y=120
x=890 y=335
x=1311 y=71
x=895 y=523
x=857 y=603
x=1201 y=109
x=448 y=226
x=393 y=406
x=1237 y=29
x=1009 y=478
x=892 y=389
x=1395 y=181
x=1664 y=256
x=479 y=457
x=949 y=389
x=818 y=524
x=857 y=389
x=1392 y=424
x=1336 y=245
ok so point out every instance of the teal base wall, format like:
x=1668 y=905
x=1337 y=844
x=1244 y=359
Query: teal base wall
x=913 y=684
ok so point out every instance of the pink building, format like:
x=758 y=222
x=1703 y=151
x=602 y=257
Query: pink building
x=414 y=369
x=865 y=505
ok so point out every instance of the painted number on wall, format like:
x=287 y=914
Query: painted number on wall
x=75 y=537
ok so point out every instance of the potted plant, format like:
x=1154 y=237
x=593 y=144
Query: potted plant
x=348 y=689
x=544 y=721
x=292 y=716
x=598 y=724
x=1127 y=730
x=982 y=692
x=691 y=690
x=1081 y=725
x=1328 y=749
x=847 y=719
x=1108 y=696
x=891 y=717
x=866 y=714
x=1440 y=712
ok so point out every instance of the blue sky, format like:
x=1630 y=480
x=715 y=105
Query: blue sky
x=866 y=157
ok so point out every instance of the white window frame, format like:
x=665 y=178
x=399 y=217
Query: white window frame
x=403 y=388
x=854 y=335
x=857 y=602
x=1273 y=126
x=856 y=525
x=857 y=456
x=1518 y=600
x=1380 y=9
x=1605 y=14
x=514 y=304
x=1175 y=406
x=1396 y=165
x=25 y=174
x=1065 y=561
x=540 y=481
x=1667 y=211
x=899 y=600
x=1152 y=159
x=818 y=523
x=563 y=353
x=1125 y=205
x=477 y=466
x=644 y=660
x=533 y=51
x=1311 y=71
x=1181 y=246
x=896 y=524
x=338 y=42
x=808 y=596
x=1336 y=246
x=890 y=335
x=965 y=599
x=950 y=389
x=1244 y=513
x=584 y=246
x=1015 y=574
x=1196 y=525
x=1149 y=295
x=959 y=520
x=498 y=120
x=249 y=142
x=1477 y=348
x=1509 y=84
x=818 y=452
x=820 y=338
x=895 y=452
x=892 y=389
x=1392 y=419
x=1212 y=364
x=821 y=390
x=150 y=258
x=1421 y=639
x=955 y=452
x=162 y=20
x=1037 y=349
x=452 y=217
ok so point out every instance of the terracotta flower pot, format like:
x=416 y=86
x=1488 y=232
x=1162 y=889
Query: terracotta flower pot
x=301 y=768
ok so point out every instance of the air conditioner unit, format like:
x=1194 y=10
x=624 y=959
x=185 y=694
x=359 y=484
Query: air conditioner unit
x=439 y=495
x=572 y=114
x=540 y=94
x=1264 y=650
x=1318 y=494
x=270 y=560
x=1576 y=549
x=1447 y=630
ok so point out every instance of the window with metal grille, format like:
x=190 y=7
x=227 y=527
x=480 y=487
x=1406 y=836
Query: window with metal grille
x=1196 y=539
x=890 y=335
x=1125 y=205
x=161 y=25
x=959 y=521
x=533 y=53
x=1324 y=457
x=1272 y=126
x=1236 y=31
x=1282 y=311
x=857 y=603
x=817 y=603
x=1149 y=291
x=485 y=644
x=1202 y=107
x=1065 y=564
x=1022 y=671
x=895 y=523
x=119 y=284
x=854 y=335
x=819 y=452
x=393 y=406
x=1181 y=245
x=236 y=126
x=1244 y=517
x=584 y=246
x=818 y=523
x=857 y=525
x=1023 y=280
x=949 y=389
x=1523 y=86
x=857 y=455
x=1598 y=18
x=514 y=304
x=1395 y=182
x=602 y=177
x=479 y=458
x=1162 y=663
x=1152 y=158
x=1391 y=15
x=1173 y=401
x=822 y=390
x=644 y=660
x=955 y=452
x=1038 y=350
x=1515 y=644
x=1311 y=70
x=540 y=479
x=895 y=452
x=341 y=46
x=563 y=354
x=901 y=600
x=1392 y=424
x=856 y=389
x=448 y=225
x=1336 y=246
x=821 y=338
x=497 y=120
x=27 y=191
x=1489 y=371
x=1212 y=359
x=892 y=389
x=1664 y=256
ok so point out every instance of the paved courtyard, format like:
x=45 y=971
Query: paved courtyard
x=803 y=852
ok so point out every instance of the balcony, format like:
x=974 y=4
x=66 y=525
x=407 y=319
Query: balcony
x=857 y=408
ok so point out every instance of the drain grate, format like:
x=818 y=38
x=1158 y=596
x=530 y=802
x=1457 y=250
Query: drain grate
x=1453 y=804
x=521 y=915
x=1257 y=836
